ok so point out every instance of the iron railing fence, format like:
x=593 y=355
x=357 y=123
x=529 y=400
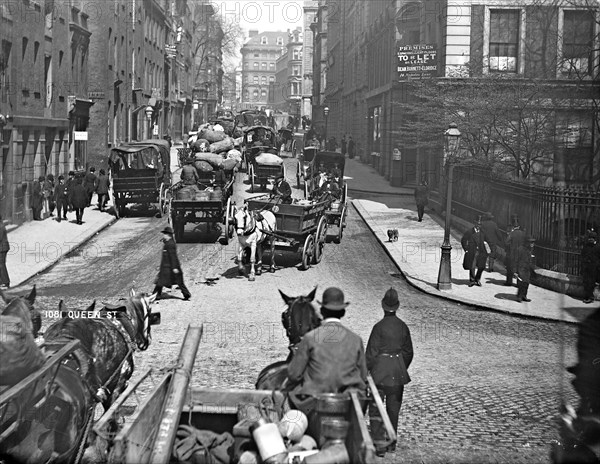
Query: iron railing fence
x=558 y=218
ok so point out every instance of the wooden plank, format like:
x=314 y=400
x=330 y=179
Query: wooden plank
x=101 y=424
x=163 y=445
x=361 y=448
x=30 y=381
x=133 y=443
x=387 y=423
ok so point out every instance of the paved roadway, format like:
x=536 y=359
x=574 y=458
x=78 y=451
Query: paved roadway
x=485 y=387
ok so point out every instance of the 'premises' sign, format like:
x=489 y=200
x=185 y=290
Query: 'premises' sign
x=417 y=61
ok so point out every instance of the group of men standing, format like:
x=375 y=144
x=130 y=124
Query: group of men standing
x=332 y=359
x=71 y=194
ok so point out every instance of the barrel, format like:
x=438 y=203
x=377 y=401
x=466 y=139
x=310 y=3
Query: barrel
x=330 y=406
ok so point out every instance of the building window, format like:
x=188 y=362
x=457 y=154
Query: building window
x=271 y=78
x=574 y=130
x=256 y=55
x=255 y=65
x=578 y=37
x=255 y=79
x=263 y=40
x=295 y=70
x=264 y=65
x=255 y=93
x=504 y=40
x=279 y=40
x=263 y=93
x=296 y=54
x=271 y=66
x=263 y=79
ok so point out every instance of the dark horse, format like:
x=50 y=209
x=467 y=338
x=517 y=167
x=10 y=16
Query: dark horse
x=299 y=318
x=108 y=341
x=50 y=416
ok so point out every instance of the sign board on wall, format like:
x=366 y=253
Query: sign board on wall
x=417 y=61
x=80 y=135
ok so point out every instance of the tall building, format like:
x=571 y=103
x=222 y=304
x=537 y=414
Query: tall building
x=259 y=55
x=310 y=8
x=319 y=64
x=44 y=105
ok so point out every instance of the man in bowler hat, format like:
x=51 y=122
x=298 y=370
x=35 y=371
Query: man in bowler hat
x=282 y=190
x=170 y=272
x=473 y=244
x=329 y=359
x=389 y=354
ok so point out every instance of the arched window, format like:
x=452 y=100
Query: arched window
x=264 y=40
x=255 y=65
x=279 y=40
x=255 y=79
x=263 y=79
x=263 y=93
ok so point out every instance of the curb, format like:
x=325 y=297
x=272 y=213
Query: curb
x=85 y=239
x=374 y=192
x=416 y=284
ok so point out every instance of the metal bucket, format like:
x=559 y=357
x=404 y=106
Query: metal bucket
x=332 y=408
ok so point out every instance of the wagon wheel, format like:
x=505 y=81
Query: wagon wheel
x=227 y=222
x=320 y=240
x=342 y=224
x=251 y=177
x=170 y=213
x=162 y=199
x=298 y=177
x=294 y=148
x=116 y=206
x=345 y=195
x=305 y=190
x=307 y=251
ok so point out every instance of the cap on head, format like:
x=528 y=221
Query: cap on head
x=333 y=299
x=477 y=221
x=390 y=301
x=167 y=230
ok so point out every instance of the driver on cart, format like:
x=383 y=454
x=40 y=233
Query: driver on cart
x=282 y=190
x=189 y=174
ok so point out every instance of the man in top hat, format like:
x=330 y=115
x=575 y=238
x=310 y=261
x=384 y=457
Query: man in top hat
x=514 y=240
x=473 y=244
x=525 y=269
x=389 y=354
x=590 y=266
x=492 y=235
x=170 y=272
x=329 y=359
x=282 y=189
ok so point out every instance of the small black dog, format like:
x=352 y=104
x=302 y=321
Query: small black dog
x=392 y=235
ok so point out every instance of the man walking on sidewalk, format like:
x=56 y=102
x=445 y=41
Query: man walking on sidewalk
x=491 y=234
x=4 y=248
x=389 y=354
x=170 y=272
x=103 y=184
x=79 y=198
x=525 y=269
x=515 y=239
x=475 y=253
x=61 y=197
x=422 y=198
x=590 y=266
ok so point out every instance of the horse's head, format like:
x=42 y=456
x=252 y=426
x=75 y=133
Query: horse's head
x=140 y=312
x=300 y=316
x=22 y=307
x=245 y=223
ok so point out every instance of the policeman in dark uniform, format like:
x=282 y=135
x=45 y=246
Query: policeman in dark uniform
x=389 y=354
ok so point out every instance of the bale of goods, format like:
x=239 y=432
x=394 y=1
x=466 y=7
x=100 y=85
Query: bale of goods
x=201 y=145
x=202 y=195
x=203 y=166
x=230 y=164
x=187 y=193
x=18 y=351
x=269 y=159
x=223 y=145
x=212 y=136
x=214 y=159
x=234 y=154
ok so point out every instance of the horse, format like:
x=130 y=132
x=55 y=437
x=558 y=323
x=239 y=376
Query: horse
x=108 y=340
x=298 y=318
x=253 y=229
x=43 y=422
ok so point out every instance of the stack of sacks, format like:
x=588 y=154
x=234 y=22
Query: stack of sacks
x=237 y=142
x=203 y=166
x=212 y=136
x=201 y=145
x=269 y=159
x=224 y=145
x=214 y=159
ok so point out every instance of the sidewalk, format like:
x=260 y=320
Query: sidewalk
x=417 y=254
x=37 y=245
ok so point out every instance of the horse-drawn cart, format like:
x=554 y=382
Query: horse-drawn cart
x=141 y=173
x=179 y=422
x=261 y=142
x=300 y=227
x=212 y=205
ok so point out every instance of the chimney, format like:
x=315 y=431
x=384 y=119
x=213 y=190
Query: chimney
x=252 y=33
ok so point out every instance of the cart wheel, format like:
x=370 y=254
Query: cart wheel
x=251 y=177
x=227 y=221
x=294 y=148
x=345 y=194
x=307 y=251
x=161 y=201
x=169 y=213
x=298 y=186
x=320 y=240
x=305 y=190
x=342 y=224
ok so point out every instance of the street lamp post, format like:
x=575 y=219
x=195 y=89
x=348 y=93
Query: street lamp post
x=451 y=145
x=149 y=110
x=326 y=114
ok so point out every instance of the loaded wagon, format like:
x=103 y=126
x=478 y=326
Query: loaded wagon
x=140 y=174
x=258 y=147
x=212 y=204
x=179 y=422
x=300 y=227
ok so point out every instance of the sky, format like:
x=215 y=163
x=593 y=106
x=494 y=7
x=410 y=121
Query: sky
x=263 y=15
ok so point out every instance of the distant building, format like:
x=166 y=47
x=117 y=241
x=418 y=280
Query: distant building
x=310 y=8
x=259 y=55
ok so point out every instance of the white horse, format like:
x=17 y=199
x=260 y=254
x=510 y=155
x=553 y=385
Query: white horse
x=251 y=227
